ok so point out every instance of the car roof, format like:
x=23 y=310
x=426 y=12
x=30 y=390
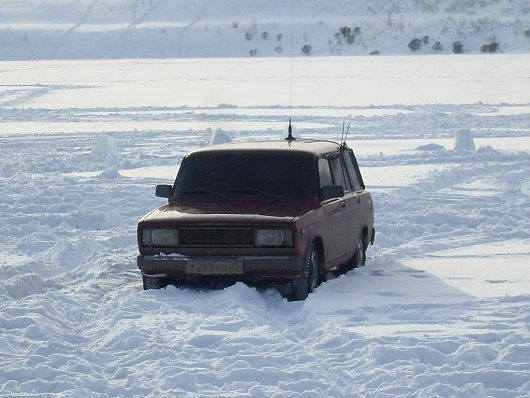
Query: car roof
x=313 y=147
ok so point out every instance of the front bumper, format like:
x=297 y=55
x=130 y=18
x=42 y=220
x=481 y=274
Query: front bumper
x=255 y=269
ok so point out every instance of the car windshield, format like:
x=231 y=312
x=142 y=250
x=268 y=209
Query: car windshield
x=234 y=175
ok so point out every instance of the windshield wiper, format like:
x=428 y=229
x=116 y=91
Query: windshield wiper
x=203 y=191
x=258 y=191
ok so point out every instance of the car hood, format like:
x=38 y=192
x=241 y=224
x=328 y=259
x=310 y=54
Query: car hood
x=229 y=211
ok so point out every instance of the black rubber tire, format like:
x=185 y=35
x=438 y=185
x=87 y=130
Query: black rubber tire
x=153 y=282
x=365 y=247
x=359 y=257
x=310 y=279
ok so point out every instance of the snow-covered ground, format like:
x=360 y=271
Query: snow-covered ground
x=442 y=307
x=92 y=29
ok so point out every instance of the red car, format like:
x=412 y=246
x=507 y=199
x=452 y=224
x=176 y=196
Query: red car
x=274 y=213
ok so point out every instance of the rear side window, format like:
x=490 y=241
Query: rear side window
x=324 y=173
x=339 y=172
x=353 y=170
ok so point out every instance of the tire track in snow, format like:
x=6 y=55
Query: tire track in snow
x=199 y=16
x=70 y=31
x=150 y=10
x=17 y=97
x=136 y=21
x=433 y=214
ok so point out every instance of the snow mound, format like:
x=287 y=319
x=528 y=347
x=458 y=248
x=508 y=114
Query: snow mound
x=430 y=147
x=110 y=173
x=219 y=136
x=105 y=147
x=464 y=140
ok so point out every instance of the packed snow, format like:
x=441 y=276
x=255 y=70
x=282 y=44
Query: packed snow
x=442 y=307
x=91 y=29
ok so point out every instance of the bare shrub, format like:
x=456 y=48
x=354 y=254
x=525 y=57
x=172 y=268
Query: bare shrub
x=415 y=44
x=437 y=46
x=306 y=49
x=489 y=48
x=345 y=31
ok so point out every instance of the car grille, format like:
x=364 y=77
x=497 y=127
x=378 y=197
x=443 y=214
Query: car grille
x=216 y=237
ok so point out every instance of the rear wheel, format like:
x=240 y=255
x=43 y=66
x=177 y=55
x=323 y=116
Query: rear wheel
x=359 y=258
x=153 y=282
x=310 y=279
x=365 y=246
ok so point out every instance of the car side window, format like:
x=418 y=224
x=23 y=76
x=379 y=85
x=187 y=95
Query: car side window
x=339 y=173
x=353 y=170
x=324 y=172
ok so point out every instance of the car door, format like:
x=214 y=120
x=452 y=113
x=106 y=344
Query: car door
x=350 y=199
x=360 y=199
x=336 y=243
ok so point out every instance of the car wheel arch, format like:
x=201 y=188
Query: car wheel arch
x=319 y=244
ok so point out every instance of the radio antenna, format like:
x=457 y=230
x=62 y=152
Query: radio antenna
x=347 y=131
x=290 y=132
x=290 y=129
x=292 y=51
x=344 y=137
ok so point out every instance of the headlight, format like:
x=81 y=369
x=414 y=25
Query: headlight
x=160 y=237
x=274 y=237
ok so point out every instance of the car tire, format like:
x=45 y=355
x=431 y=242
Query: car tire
x=153 y=282
x=359 y=258
x=365 y=247
x=310 y=279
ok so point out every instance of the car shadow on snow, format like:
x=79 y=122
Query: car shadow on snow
x=388 y=292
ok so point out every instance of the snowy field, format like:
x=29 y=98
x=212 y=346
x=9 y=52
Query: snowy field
x=442 y=307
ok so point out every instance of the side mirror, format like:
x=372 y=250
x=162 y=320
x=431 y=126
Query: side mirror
x=164 y=191
x=331 y=191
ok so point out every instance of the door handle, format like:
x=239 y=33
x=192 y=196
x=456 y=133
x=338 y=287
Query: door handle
x=343 y=203
x=358 y=200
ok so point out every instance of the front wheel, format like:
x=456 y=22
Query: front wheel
x=310 y=278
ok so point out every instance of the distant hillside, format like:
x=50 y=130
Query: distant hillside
x=78 y=29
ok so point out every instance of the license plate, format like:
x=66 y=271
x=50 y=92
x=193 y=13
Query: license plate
x=214 y=267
